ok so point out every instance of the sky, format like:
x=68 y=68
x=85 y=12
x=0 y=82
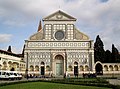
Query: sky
x=19 y=19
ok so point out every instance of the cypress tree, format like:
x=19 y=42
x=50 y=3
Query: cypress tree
x=115 y=54
x=108 y=58
x=99 y=53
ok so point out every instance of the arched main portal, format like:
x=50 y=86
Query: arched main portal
x=99 y=69
x=59 y=65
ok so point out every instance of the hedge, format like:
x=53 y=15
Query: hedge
x=98 y=83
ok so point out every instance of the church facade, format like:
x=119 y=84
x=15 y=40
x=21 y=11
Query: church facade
x=58 y=48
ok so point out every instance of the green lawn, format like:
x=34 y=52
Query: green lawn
x=45 y=85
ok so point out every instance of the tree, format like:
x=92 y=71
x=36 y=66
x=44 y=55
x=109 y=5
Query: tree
x=9 y=49
x=99 y=53
x=115 y=54
x=108 y=58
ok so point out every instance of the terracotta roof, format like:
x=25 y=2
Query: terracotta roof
x=10 y=53
x=40 y=26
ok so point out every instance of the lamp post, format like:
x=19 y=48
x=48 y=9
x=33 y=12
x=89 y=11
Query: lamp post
x=0 y=66
x=26 y=66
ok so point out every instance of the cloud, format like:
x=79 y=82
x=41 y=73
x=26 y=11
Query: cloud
x=13 y=49
x=4 y=38
x=13 y=23
x=93 y=16
x=100 y=18
x=16 y=50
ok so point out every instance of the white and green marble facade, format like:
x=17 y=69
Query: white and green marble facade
x=59 y=46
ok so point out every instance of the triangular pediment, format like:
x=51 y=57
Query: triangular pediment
x=59 y=15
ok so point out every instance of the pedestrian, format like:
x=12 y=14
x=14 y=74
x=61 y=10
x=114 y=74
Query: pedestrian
x=64 y=75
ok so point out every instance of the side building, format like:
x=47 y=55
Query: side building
x=107 y=69
x=11 y=62
x=59 y=48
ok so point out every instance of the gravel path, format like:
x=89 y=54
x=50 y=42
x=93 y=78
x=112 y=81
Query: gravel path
x=114 y=81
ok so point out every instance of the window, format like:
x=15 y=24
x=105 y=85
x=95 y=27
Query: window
x=59 y=35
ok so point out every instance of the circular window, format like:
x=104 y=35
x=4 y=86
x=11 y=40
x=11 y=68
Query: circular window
x=59 y=35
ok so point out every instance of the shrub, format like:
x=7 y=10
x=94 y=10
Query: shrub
x=99 y=82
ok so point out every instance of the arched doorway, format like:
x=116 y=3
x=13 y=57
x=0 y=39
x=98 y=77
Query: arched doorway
x=59 y=65
x=75 y=68
x=42 y=68
x=99 y=69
